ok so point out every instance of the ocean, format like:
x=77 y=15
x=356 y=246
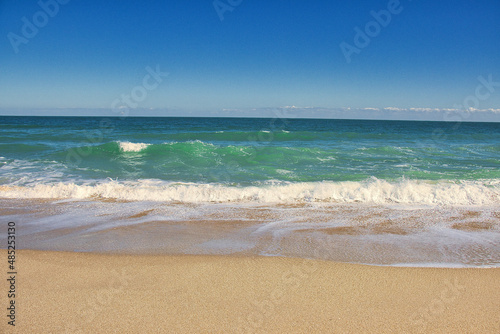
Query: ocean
x=379 y=192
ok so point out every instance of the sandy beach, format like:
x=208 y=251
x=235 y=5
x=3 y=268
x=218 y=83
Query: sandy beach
x=62 y=292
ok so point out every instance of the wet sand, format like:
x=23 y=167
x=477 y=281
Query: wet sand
x=365 y=234
x=63 y=292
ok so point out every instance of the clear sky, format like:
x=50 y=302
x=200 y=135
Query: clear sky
x=243 y=54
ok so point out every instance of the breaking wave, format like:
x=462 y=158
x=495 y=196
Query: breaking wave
x=373 y=191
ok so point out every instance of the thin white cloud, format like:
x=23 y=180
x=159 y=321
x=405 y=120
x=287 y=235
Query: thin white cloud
x=387 y=113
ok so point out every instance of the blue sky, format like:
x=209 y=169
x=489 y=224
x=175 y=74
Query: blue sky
x=263 y=54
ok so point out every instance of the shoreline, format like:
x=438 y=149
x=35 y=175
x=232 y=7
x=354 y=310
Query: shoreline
x=425 y=265
x=348 y=233
x=88 y=292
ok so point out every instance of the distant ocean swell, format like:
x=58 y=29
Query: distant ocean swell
x=371 y=191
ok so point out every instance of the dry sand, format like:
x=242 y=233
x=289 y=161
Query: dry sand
x=91 y=293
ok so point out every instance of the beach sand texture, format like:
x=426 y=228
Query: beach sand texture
x=62 y=292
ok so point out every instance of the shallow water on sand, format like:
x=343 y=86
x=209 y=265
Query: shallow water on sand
x=358 y=233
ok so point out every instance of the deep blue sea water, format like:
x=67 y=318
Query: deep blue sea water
x=250 y=159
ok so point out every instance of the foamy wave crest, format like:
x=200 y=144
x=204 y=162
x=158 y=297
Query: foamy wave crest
x=370 y=191
x=131 y=147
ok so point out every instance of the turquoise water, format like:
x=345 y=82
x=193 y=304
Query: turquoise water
x=203 y=159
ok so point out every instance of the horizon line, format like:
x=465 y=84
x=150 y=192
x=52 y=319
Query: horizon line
x=262 y=117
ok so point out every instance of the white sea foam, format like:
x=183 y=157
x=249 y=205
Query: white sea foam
x=370 y=191
x=132 y=147
x=284 y=171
